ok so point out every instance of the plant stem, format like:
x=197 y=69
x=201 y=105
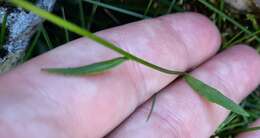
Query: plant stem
x=46 y=37
x=148 y=7
x=67 y=36
x=152 y=107
x=3 y=31
x=32 y=46
x=76 y=29
x=258 y=49
x=91 y=17
x=171 y=6
x=134 y=14
x=81 y=13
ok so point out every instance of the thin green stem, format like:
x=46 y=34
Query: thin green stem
x=65 y=30
x=171 y=6
x=228 y=43
x=226 y=121
x=148 y=7
x=46 y=37
x=76 y=29
x=258 y=49
x=113 y=17
x=34 y=42
x=251 y=36
x=81 y=13
x=117 y=9
x=91 y=17
x=221 y=8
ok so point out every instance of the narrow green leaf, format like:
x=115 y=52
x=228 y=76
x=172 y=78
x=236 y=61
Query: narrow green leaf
x=152 y=107
x=81 y=14
x=28 y=53
x=88 y=69
x=213 y=95
x=46 y=37
x=3 y=30
x=171 y=6
x=148 y=7
x=92 y=15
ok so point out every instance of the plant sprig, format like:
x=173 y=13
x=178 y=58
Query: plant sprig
x=206 y=91
x=91 y=69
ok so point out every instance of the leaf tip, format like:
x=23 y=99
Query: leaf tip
x=244 y=113
x=49 y=70
x=44 y=69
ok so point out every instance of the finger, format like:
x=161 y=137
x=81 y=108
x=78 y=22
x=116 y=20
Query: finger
x=92 y=106
x=180 y=112
x=251 y=134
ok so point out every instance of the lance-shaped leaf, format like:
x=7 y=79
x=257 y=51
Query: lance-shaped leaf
x=213 y=95
x=88 y=69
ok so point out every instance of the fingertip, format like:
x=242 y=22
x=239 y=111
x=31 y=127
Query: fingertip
x=233 y=72
x=244 y=52
x=198 y=33
x=240 y=62
x=250 y=59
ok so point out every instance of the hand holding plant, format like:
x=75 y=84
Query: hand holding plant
x=92 y=106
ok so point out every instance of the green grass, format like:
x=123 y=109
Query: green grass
x=3 y=30
x=234 y=30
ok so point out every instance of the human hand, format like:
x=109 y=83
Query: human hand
x=114 y=104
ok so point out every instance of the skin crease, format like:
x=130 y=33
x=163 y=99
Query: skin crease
x=47 y=105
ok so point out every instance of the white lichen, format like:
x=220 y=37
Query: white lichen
x=244 y=5
x=21 y=26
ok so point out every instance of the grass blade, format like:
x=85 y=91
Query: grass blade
x=213 y=95
x=32 y=46
x=112 y=16
x=3 y=30
x=81 y=13
x=230 y=42
x=88 y=69
x=148 y=7
x=67 y=36
x=152 y=107
x=91 y=17
x=46 y=37
x=171 y=6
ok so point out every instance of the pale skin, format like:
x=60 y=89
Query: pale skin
x=115 y=104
